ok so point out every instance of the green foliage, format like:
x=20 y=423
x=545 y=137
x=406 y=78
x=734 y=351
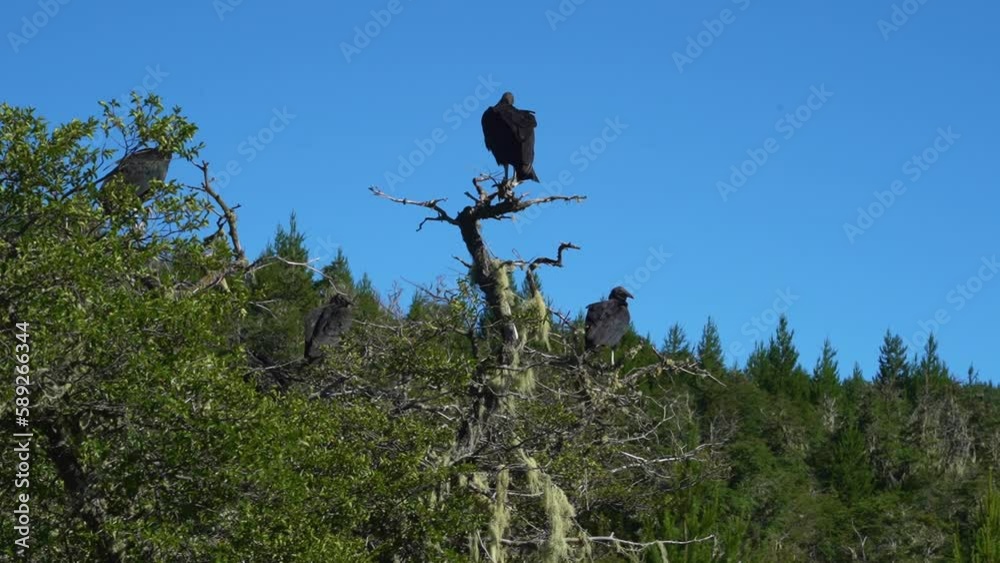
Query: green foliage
x=282 y=293
x=986 y=541
x=709 y=349
x=825 y=377
x=150 y=442
x=676 y=345
x=893 y=369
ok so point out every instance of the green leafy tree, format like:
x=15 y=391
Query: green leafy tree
x=150 y=443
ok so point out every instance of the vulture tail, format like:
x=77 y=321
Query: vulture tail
x=526 y=172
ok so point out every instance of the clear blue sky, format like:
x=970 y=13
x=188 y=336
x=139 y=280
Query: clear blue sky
x=735 y=251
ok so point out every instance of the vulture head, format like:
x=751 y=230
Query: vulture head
x=507 y=98
x=621 y=295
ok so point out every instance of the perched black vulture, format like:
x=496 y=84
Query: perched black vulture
x=510 y=135
x=607 y=321
x=326 y=324
x=140 y=168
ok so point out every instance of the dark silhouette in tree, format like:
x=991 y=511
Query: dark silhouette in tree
x=510 y=135
x=139 y=169
x=607 y=321
x=325 y=325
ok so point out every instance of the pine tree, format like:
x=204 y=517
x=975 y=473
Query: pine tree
x=893 y=368
x=710 y=349
x=339 y=270
x=368 y=304
x=826 y=378
x=676 y=345
x=780 y=372
x=931 y=371
x=283 y=294
x=854 y=389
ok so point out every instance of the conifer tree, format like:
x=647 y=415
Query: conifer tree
x=710 y=349
x=931 y=371
x=893 y=367
x=282 y=294
x=675 y=345
x=825 y=377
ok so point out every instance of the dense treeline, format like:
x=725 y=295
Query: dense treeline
x=175 y=418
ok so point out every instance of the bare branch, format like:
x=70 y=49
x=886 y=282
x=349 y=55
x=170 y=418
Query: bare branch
x=638 y=461
x=228 y=213
x=554 y=262
x=442 y=215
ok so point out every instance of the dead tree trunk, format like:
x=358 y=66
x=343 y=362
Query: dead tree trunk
x=490 y=276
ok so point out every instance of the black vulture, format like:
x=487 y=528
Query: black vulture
x=140 y=168
x=510 y=135
x=326 y=324
x=607 y=321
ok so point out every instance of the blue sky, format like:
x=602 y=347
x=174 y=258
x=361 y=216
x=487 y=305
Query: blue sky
x=649 y=109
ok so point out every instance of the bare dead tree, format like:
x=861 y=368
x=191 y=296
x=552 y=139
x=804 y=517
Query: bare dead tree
x=490 y=275
x=515 y=452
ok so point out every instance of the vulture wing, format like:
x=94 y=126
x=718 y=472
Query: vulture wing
x=494 y=129
x=325 y=325
x=606 y=323
x=521 y=122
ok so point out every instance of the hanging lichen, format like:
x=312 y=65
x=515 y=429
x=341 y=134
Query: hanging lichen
x=532 y=472
x=524 y=381
x=501 y=279
x=560 y=514
x=479 y=481
x=474 y=554
x=500 y=276
x=536 y=313
x=501 y=517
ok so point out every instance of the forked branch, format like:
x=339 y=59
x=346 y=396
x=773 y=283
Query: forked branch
x=442 y=215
